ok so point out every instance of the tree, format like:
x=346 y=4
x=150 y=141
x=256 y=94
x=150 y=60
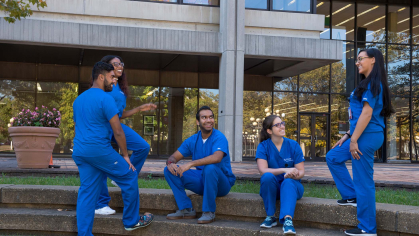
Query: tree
x=16 y=9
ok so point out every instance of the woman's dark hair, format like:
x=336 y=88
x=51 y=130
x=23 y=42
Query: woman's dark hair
x=378 y=75
x=267 y=124
x=122 y=81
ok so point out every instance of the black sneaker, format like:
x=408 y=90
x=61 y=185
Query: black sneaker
x=358 y=232
x=347 y=202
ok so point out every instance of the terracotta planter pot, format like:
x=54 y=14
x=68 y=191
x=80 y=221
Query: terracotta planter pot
x=33 y=145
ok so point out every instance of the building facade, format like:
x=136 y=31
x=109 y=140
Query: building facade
x=244 y=58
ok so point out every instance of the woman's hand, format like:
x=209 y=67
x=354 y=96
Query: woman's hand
x=341 y=141
x=291 y=173
x=147 y=107
x=353 y=148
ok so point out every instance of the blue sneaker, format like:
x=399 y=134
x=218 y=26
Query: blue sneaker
x=269 y=222
x=288 y=227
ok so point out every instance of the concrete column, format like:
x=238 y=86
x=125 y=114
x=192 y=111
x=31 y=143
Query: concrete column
x=230 y=108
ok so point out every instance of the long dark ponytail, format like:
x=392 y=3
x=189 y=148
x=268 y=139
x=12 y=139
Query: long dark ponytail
x=267 y=124
x=378 y=75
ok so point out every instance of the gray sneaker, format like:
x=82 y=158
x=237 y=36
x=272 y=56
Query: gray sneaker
x=182 y=214
x=206 y=218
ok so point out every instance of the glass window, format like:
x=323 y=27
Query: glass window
x=15 y=95
x=398 y=133
x=339 y=118
x=316 y=80
x=291 y=5
x=257 y=4
x=202 y=2
x=399 y=69
x=343 y=20
x=144 y=123
x=314 y=102
x=323 y=8
x=162 y=0
x=189 y=113
x=256 y=106
x=60 y=96
x=415 y=26
x=371 y=23
x=415 y=71
x=415 y=140
x=285 y=106
x=286 y=84
x=343 y=72
x=398 y=24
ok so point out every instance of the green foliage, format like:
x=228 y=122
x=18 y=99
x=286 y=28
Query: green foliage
x=17 y=9
x=68 y=95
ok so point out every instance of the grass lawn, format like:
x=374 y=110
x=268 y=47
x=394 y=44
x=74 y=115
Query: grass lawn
x=400 y=197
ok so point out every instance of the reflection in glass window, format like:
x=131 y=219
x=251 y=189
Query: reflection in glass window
x=257 y=4
x=399 y=69
x=398 y=133
x=256 y=106
x=316 y=80
x=162 y=0
x=339 y=118
x=343 y=72
x=202 y=2
x=415 y=71
x=60 y=96
x=291 y=5
x=415 y=140
x=144 y=123
x=343 y=19
x=314 y=102
x=323 y=8
x=371 y=23
x=285 y=106
x=286 y=84
x=189 y=113
x=415 y=26
x=15 y=95
x=398 y=24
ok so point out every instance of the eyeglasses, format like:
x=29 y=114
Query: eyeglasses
x=207 y=117
x=279 y=125
x=359 y=59
x=117 y=64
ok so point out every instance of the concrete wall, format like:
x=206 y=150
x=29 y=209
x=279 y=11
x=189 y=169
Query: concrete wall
x=177 y=17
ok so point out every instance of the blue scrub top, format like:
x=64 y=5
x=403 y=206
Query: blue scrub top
x=92 y=111
x=376 y=123
x=194 y=146
x=290 y=155
x=120 y=98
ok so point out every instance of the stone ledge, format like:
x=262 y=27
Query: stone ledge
x=65 y=221
x=234 y=206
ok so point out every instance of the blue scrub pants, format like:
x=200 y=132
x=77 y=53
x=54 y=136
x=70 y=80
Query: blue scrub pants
x=140 y=152
x=92 y=170
x=362 y=187
x=289 y=191
x=210 y=182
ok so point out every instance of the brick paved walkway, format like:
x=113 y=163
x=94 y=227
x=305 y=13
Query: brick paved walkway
x=398 y=175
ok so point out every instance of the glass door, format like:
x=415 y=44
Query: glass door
x=313 y=135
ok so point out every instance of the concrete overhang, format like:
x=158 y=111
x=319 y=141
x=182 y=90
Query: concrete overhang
x=291 y=56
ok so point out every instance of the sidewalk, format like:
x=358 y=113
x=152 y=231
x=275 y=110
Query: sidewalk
x=385 y=175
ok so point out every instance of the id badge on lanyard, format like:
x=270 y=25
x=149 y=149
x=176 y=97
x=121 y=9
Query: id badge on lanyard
x=350 y=113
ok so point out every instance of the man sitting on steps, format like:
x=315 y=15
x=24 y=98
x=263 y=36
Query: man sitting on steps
x=213 y=176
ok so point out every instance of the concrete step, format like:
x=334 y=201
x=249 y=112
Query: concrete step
x=310 y=212
x=53 y=222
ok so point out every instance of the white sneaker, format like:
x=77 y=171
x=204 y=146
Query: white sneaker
x=114 y=183
x=105 y=211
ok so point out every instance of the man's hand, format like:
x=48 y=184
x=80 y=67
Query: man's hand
x=291 y=173
x=183 y=168
x=131 y=167
x=172 y=168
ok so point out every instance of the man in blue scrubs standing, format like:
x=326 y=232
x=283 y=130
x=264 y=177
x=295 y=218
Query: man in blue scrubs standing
x=95 y=114
x=212 y=177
